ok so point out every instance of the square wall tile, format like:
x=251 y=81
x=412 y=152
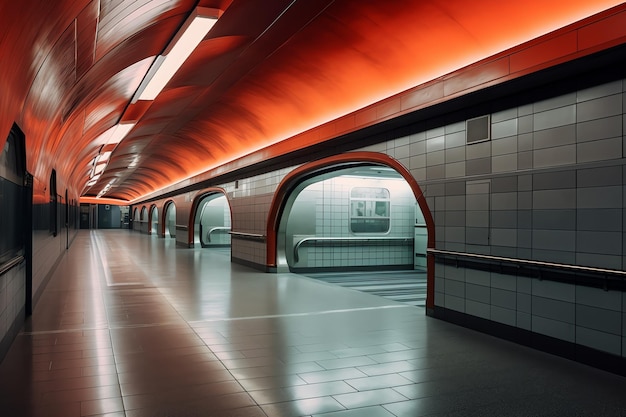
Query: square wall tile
x=604 y=342
x=523 y=320
x=504 y=281
x=608 y=89
x=554 y=309
x=603 y=320
x=600 y=150
x=455 y=303
x=554 y=290
x=599 y=108
x=477 y=293
x=503 y=298
x=503 y=315
x=608 y=127
x=552 y=157
x=555 y=117
x=553 y=328
x=597 y=297
x=524 y=302
x=477 y=309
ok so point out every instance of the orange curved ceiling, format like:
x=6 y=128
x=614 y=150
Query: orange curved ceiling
x=266 y=71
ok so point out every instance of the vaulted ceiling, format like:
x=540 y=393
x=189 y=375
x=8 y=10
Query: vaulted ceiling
x=266 y=71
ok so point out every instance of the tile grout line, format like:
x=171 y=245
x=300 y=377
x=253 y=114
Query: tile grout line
x=195 y=332
x=224 y=319
x=108 y=327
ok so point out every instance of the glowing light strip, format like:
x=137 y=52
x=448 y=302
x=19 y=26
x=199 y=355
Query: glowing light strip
x=165 y=66
x=121 y=130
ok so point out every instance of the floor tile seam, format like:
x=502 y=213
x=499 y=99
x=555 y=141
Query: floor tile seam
x=355 y=390
x=96 y=247
x=195 y=332
x=370 y=391
x=107 y=327
x=221 y=362
x=307 y=314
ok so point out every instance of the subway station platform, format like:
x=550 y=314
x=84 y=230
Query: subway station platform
x=131 y=325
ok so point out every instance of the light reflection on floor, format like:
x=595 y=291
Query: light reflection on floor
x=133 y=326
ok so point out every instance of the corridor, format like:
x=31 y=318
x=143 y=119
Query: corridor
x=130 y=325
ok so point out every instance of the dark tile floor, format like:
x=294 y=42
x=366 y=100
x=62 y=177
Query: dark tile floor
x=130 y=325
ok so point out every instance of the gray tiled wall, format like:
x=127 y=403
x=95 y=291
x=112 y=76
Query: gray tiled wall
x=11 y=299
x=549 y=186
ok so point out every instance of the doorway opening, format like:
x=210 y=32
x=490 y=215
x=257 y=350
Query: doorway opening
x=362 y=224
x=154 y=221
x=169 y=220
x=212 y=221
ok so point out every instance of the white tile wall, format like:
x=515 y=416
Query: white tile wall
x=332 y=206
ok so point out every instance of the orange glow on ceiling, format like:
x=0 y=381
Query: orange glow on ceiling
x=265 y=72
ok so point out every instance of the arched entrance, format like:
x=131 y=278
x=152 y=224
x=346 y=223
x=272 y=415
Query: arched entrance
x=353 y=212
x=169 y=220
x=143 y=220
x=154 y=221
x=136 y=219
x=211 y=220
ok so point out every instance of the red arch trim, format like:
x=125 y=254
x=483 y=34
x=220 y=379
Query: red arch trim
x=297 y=175
x=194 y=208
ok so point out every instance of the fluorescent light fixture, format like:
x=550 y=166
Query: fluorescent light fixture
x=120 y=132
x=134 y=162
x=106 y=188
x=195 y=28
x=103 y=157
x=98 y=169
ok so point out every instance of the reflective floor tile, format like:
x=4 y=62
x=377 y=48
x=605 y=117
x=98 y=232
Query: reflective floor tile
x=367 y=398
x=375 y=382
x=376 y=411
x=334 y=375
x=302 y=407
x=191 y=334
x=298 y=392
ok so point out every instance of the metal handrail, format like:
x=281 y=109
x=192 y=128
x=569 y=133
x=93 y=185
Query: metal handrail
x=248 y=236
x=528 y=262
x=10 y=264
x=296 y=247
x=213 y=229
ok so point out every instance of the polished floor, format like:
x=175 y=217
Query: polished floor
x=130 y=325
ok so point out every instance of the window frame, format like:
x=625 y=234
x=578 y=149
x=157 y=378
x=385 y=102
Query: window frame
x=370 y=224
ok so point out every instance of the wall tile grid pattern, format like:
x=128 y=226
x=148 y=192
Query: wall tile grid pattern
x=548 y=186
x=250 y=205
x=332 y=219
x=47 y=250
x=11 y=297
x=562 y=202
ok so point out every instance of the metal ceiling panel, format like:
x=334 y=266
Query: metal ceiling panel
x=266 y=72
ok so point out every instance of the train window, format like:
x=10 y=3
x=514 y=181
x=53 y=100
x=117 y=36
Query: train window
x=369 y=210
x=12 y=171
